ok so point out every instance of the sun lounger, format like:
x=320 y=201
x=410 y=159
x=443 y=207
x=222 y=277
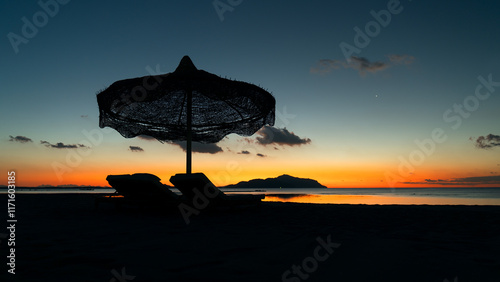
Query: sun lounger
x=141 y=189
x=197 y=187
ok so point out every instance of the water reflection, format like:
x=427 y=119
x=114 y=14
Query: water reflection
x=377 y=200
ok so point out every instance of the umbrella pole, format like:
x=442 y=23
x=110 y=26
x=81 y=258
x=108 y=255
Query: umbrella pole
x=189 y=129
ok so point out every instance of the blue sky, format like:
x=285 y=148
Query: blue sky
x=355 y=116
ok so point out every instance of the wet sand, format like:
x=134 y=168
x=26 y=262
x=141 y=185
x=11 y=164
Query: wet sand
x=66 y=238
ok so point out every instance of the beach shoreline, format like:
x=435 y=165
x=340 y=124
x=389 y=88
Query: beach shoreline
x=64 y=237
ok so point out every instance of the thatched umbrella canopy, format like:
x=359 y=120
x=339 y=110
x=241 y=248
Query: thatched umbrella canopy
x=185 y=105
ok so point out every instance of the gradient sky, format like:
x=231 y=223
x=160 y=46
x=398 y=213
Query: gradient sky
x=358 y=117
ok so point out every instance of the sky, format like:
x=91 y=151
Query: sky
x=368 y=93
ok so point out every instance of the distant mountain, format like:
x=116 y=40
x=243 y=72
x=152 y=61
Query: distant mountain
x=282 y=181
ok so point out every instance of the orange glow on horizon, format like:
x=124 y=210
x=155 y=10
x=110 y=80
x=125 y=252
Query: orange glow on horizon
x=230 y=171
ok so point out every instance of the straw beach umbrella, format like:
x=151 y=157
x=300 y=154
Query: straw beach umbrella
x=185 y=105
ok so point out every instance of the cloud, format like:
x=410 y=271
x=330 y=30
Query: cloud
x=60 y=145
x=146 y=137
x=198 y=147
x=245 y=152
x=470 y=181
x=136 y=149
x=487 y=142
x=479 y=180
x=401 y=59
x=20 y=139
x=281 y=136
x=84 y=116
x=434 y=180
x=362 y=65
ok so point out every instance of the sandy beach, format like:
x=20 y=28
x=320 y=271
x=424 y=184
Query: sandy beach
x=64 y=237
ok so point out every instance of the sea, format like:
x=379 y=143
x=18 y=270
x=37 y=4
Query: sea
x=364 y=196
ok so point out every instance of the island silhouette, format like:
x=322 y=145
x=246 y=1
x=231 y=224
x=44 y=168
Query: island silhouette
x=282 y=181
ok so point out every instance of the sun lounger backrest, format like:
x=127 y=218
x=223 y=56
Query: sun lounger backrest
x=189 y=183
x=140 y=186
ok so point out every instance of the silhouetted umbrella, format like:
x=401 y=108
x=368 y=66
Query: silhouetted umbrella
x=185 y=105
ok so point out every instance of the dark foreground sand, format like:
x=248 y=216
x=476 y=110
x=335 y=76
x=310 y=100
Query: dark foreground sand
x=65 y=238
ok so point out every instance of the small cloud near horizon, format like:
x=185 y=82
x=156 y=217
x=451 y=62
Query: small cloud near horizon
x=486 y=142
x=197 y=147
x=471 y=181
x=20 y=139
x=361 y=64
x=281 y=136
x=136 y=149
x=245 y=152
x=61 y=145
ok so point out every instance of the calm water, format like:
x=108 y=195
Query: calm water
x=369 y=196
x=387 y=196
